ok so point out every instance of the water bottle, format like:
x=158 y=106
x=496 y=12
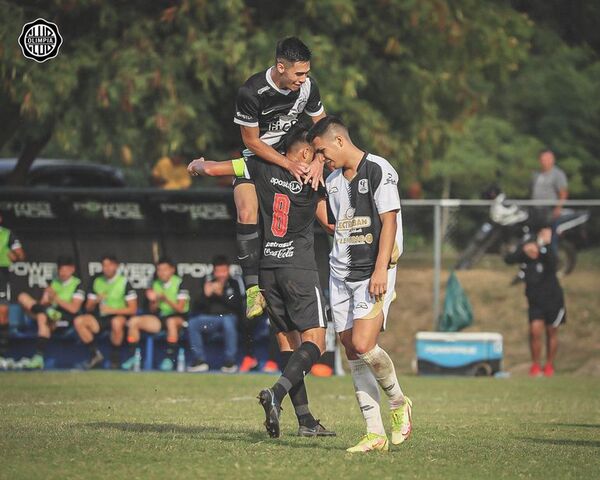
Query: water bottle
x=181 y=360
x=137 y=360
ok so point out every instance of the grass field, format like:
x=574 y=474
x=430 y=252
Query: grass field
x=120 y=425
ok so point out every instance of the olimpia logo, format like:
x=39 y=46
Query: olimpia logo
x=40 y=40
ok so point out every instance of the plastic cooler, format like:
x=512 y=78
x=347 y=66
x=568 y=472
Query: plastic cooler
x=456 y=353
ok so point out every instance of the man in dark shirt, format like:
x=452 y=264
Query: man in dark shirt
x=219 y=306
x=545 y=297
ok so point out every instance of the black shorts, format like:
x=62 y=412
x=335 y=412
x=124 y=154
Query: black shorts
x=294 y=299
x=240 y=180
x=163 y=319
x=105 y=321
x=552 y=315
x=4 y=286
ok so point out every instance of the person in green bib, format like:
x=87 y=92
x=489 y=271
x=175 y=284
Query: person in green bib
x=57 y=307
x=169 y=304
x=10 y=251
x=110 y=301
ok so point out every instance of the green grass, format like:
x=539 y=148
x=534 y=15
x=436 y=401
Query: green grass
x=127 y=426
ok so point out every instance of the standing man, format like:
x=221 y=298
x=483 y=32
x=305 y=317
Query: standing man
x=267 y=106
x=545 y=298
x=288 y=274
x=10 y=251
x=364 y=205
x=57 y=308
x=170 y=173
x=110 y=301
x=549 y=183
x=168 y=304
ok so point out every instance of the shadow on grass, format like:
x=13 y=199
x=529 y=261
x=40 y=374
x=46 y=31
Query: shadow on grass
x=578 y=425
x=215 y=433
x=563 y=442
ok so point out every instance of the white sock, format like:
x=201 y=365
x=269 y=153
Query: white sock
x=383 y=369
x=367 y=394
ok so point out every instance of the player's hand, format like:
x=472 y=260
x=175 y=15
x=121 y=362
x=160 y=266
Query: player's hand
x=315 y=173
x=531 y=250
x=191 y=168
x=297 y=169
x=151 y=295
x=378 y=284
x=545 y=236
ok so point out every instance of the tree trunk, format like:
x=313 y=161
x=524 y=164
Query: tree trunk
x=32 y=149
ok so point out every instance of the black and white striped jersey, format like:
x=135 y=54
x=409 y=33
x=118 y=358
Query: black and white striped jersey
x=354 y=207
x=260 y=103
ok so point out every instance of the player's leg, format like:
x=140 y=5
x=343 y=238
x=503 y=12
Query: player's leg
x=4 y=301
x=27 y=302
x=248 y=241
x=44 y=332
x=117 y=335
x=558 y=317
x=135 y=325
x=87 y=327
x=172 y=325
x=536 y=333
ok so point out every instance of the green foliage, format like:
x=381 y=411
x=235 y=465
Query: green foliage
x=417 y=81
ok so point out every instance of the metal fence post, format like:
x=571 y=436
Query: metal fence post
x=437 y=261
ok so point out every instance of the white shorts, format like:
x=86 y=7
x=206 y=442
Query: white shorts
x=351 y=300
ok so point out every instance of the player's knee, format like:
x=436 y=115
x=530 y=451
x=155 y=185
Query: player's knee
x=361 y=346
x=78 y=322
x=247 y=214
x=23 y=298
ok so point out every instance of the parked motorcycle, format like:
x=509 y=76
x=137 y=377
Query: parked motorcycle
x=509 y=224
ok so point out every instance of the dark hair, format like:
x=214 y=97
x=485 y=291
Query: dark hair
x=166 y=260
x=292 y=50
x=296 y=135
x=110 y=257
x=220 y=260
x=64 y=260
x=321 y=127
x=545 y=150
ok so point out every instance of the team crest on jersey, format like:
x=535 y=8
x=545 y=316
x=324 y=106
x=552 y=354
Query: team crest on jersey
x=350 y=213
x=363 y=186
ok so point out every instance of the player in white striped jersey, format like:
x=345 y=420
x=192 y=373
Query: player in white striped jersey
x=364 y=207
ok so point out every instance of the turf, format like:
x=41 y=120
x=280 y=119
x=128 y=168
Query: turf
x=127 y=426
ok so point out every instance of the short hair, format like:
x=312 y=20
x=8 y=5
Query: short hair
x=64 y=260
x=295 y=136
x=323 y=125
x=220 y=260
x=166 y=260
x=111 y=257
x=292 y=49
x=546 y=150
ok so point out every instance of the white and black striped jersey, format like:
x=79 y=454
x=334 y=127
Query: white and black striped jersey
x=354 y=207
x=260 y=103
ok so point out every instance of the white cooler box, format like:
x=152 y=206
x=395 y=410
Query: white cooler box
x=456 y=353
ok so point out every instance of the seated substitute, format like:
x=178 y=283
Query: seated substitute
x=220 y=305
x=110 y=301
x=169 y=304
x=57 y=307
x=544 y=295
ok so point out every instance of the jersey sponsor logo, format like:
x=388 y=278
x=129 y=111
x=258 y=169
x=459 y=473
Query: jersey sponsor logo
x=283 y=124
x=275 y=109
x=390 y=180
x=292 y=186
x=333 y=190
x=243 y=116
x=356 y=239
x=353 y=223
x=279 y=250
x=262 y=90
x=40 y=40
x=362 y=305
x=363 y=186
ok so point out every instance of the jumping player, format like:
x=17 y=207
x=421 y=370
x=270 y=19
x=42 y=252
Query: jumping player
x=267 y=106
x=364 y=205
x=288 y=274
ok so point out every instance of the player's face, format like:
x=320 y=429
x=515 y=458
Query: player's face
x=221 y=272
x=65 y=272
x=109 y=268
x=330 y=147
x=164 y=272
x=293 y=75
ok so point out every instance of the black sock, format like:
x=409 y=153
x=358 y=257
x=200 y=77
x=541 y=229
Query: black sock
x=273 y=347
x=248 y=326
x=115 y=354
x=92 y=347
x=3 y=339
x=132 y=347
x=41 y=345
x=298 y=396
x=248 y=243
x=172 y=351
x=299 y=364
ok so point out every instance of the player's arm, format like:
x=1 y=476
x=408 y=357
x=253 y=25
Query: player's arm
x=322 y=217
x=131 y=302
x=315 y=110
x=178 y=306
x=211 y=168
x=387 y=238
x=16 y=252
x=74 y=305
x=92 y=302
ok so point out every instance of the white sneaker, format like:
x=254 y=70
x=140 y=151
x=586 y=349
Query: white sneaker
x=198 y=368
